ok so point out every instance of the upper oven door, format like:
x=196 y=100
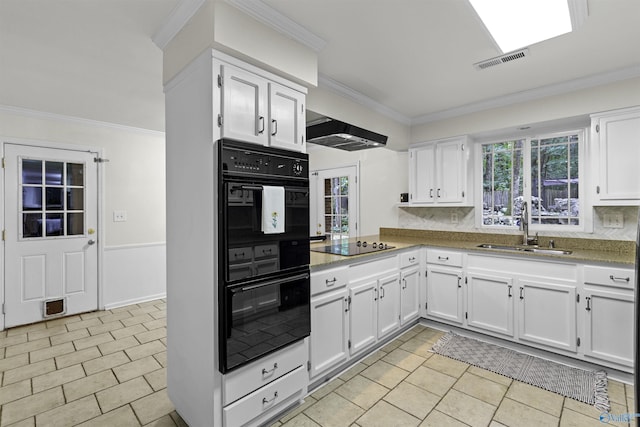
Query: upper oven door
x=249 y=252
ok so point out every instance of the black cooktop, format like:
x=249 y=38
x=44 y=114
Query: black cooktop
x=350 y=249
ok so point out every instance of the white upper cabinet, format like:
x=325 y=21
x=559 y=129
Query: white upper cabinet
x=258 y=110
x=616 y=138
x=439 y=173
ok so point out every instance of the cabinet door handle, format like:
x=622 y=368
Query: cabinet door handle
x=404 y=283
x=381 y=293
x=510 y=294
x=438 y=193
x=412 y=259
x=269 y=371
x=331 y=282
x=346 y=304
x=274 y=122
x=521 y=292
x=261 y=121
x=431 y=193
x=459 y=279
x=375 y=298
x=266 y=401
x=588 y=307
x=619 y=279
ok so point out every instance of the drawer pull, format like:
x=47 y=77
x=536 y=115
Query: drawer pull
x=270 y=371
x=331 y=282
x=266 y=401
x=266 y=251
x=443 y=258
x=412 y=259
x=509 y=293
x=619 y=279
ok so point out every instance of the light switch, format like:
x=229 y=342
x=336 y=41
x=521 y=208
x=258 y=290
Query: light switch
x=119 y=216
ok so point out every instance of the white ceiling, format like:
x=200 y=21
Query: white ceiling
x=412 y=58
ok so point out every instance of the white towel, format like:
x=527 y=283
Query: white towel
x=272 y=209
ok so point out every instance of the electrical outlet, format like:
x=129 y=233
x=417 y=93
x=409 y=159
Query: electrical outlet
x=454 y=218
x=613 y=220
x=119 y=216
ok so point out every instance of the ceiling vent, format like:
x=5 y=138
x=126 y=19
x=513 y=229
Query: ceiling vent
x=507 y=57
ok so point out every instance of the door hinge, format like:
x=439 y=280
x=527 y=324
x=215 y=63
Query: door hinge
x=597 y=128
x=578 y=342
x=577 y=297
x=3 y=163
x=4 y=234
x=349 y=344
x=302 y=108
x=598 y=189
x=3 y=312
x=219 y=80
x=425 y=305
x=463 y=194
x=309 y=365
x=349 y=302
x=466 y=281
x=100 y=160
x=219 y=120
x=466 y=314
x=462 y=147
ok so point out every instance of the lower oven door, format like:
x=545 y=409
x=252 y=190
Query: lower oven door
x=260 y=317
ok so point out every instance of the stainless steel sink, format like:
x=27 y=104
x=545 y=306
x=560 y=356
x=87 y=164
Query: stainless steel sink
x=538 y=250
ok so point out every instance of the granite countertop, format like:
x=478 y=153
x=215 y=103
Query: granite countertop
x=583 y=250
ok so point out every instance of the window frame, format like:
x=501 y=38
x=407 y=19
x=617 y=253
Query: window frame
x=585 y=202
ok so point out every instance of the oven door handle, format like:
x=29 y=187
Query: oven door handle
x=251 y=187
x=270 y=283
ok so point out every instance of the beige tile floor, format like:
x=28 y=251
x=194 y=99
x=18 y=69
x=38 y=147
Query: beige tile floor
x=108 y=368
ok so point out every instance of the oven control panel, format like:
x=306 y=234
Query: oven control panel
x=262 y=161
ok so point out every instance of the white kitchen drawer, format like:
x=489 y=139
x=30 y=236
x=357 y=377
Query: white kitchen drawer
x=610 y=276
x=245 y=380
x=407 y=259
x=373 y=268
x=240 y=255
x=266 y=251
x=437 y=256
x=327 y=280
x=266 y=398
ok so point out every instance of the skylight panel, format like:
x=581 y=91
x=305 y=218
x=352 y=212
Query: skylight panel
x=518 y=23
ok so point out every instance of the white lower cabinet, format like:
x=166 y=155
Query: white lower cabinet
x=388 y=304
x=329 y=331
x=363 y=314
x=444 y=293
x=409 y=294
x=490 y=303
x=608 y=310
x=609 y=319
x=547 y=314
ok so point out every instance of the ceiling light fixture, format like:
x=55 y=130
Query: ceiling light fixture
x=517 y=23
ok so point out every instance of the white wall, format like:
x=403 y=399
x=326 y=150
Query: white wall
x=134 y=181
x=382 y=176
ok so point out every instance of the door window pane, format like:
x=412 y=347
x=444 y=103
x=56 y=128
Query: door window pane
x=75 y=174
x=53 y=171
x=32 y=225
x=336 y=207
x=55 y=225
x=75 y=199
x=75 y=224
x=31 y=171
x=54 y=199
x=31 y=198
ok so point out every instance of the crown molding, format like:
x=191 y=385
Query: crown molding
x=178 y=18
x=354 y=95
x=532 y=94
x=279 y=22
x=25 y=112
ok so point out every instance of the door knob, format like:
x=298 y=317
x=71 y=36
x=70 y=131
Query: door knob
x=92 y=242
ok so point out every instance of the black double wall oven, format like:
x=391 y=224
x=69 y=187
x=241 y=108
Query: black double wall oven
x=264 y=284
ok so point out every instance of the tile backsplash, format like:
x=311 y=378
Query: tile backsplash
x=433 y=218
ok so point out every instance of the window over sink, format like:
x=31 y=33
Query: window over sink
x=545 y=171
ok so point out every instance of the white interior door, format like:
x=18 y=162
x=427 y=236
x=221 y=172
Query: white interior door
x=334 y=202
x=51 y=256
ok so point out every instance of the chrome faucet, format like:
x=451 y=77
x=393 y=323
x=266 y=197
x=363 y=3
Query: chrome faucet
x=524 y=223
x=524 y=227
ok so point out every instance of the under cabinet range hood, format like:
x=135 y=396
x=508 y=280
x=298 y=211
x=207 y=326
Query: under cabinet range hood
x=337 y=134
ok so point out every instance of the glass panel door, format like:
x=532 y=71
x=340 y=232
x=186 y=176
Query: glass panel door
x=336 y=203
